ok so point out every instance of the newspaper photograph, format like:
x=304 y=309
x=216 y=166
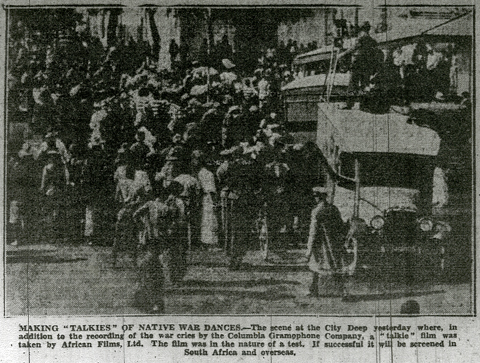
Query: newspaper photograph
x=251 y=181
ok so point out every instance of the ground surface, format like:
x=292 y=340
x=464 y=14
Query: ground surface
x=70 y=279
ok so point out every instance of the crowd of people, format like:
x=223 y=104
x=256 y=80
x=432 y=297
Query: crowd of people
x=119 y=151
x=417 y=71
x=279 y=55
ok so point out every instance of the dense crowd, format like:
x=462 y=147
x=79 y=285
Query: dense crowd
x=116 y=143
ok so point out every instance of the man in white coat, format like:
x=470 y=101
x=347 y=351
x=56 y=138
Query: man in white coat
x=325 y=246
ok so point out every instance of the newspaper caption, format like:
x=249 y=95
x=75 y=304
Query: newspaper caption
x=236 y=339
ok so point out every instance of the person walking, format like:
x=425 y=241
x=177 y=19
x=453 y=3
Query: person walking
x=152 y=281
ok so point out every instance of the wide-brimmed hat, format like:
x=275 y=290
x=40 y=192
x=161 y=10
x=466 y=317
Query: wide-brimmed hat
x=234 y=108
x=227 y=63
x=227 y=100
x=258 y=71
x=297 y=147
x=198 y=155
x=319 y=190
x=366 y=26
x=176 y=153
x=22 y=153
x=193 y=102
x=175 y=188
x=234 y=151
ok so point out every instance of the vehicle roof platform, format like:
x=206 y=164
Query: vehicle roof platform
x=357 y=131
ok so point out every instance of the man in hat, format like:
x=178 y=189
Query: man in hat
x=175 y=256
x=210 y=126
x=191 y=198
x=277 y=187
x=264 y=87
x=365 y=62
x=176 y=169
x=139 y=151
x=156 y=216
x=241 y=178
x=53 y=188
x=224 y=48
x=228 y=76
x=174 y=156
x=138 y=161
x=229 y=156
x=22 y=182
x=173 y=49
x=325 y=244
x=230 y=126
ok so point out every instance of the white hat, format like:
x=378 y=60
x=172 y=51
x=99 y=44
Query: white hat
x=233 y=108
x=227 y=63
x=297 y=147
x=439 y=96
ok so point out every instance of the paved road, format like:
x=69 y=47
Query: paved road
x=80 y=280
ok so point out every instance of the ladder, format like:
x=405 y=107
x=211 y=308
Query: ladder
x=330 y=78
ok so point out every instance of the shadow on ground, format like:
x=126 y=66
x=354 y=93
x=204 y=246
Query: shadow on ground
x=389 y=296
x=36 y=258
x=271 y=295
x=239 y=283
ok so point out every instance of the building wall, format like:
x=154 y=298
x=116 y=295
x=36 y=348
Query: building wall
x=169 y=28
x=305 y=30
x=220 y=27
x=386 y=23
x=320 y=26
x=134 y=23
x=317 y=26
x=465 y=75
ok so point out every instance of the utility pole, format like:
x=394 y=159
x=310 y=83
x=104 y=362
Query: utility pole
x=209 y=40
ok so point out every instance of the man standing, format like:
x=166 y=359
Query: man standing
x=53 y=187
x=243 y=183
x=365 y=62
x=277 y=188
x=325 y=244
x=175 y=256
x=173 y=49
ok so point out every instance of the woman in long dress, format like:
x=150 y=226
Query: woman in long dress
x=209 y=222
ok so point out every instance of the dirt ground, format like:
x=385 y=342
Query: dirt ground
x=81 y=280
